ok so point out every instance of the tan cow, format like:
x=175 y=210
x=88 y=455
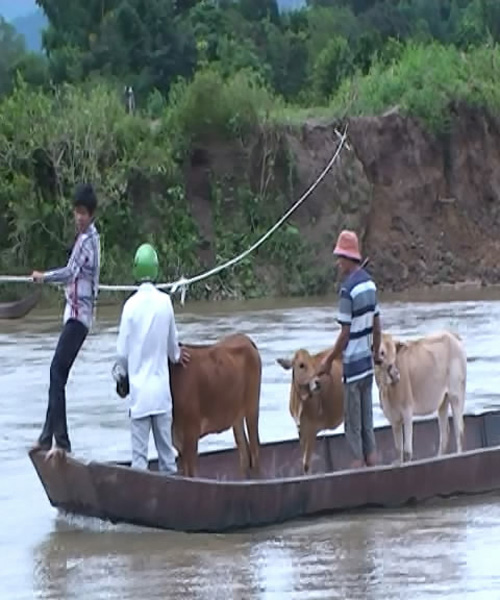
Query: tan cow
x=421 y=377
x=218 y=389
x=313 y=407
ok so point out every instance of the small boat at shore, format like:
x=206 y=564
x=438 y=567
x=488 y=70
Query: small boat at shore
x=219 y=500
x=17 y=309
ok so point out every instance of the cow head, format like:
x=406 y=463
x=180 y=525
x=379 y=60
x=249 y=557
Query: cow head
x=386 y=368
x=304 y=377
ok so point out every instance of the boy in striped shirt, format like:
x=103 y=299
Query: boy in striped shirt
x=81 y=279
x=359 y=318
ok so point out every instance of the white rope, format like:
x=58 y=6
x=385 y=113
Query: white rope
x=15 y=279
x=182 y=283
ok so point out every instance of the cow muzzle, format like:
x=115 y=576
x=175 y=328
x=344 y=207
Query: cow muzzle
x=314 y=385
x=394 y=374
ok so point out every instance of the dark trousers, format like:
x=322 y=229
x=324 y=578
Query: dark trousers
x=358 y=417
x=70 y=341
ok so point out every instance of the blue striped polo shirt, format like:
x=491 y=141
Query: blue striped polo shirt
x=358 y=306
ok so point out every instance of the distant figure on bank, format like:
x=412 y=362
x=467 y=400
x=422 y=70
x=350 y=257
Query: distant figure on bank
x=147 y=339
x=129 y=97
x=81 y=277
x=359 y=318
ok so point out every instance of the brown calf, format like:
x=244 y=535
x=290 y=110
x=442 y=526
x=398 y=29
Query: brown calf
x=314 y=405
x=218 y=389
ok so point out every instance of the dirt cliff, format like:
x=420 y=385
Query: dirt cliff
x=426 y=207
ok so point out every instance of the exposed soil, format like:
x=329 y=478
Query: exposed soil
x=427 y=209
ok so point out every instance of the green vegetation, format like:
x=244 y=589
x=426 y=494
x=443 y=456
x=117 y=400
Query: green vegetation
x=205 y=74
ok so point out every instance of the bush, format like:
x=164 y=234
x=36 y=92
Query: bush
x=48 y=143
x=424 y=82
x=210 y=106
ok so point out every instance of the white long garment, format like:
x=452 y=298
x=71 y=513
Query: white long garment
x=147 y=336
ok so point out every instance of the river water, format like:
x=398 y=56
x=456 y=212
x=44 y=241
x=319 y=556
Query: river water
x=446 y=550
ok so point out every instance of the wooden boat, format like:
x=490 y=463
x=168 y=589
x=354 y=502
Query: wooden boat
x=18 y=309
x=219 y=500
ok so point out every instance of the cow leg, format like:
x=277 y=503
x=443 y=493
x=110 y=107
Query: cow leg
x=443 y=426
x=408 y=437
x=252 y=422
x=397 y=432
x=306 y=459
x=307 y=443
x=241 y=442
x=177 y=442
x=189 y=453
x=457 y=407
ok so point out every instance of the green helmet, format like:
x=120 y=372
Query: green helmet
x=145 y=263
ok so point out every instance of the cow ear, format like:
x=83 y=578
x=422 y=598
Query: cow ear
x=400 y=346
x=286 y=363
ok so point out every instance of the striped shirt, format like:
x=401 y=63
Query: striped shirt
x=81 y=277
x=358 y=307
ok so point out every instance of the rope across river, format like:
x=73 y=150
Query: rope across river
x=182 y=283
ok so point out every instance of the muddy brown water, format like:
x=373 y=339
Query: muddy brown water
x=447 y=549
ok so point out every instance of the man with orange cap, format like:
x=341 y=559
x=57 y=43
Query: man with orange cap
x=359 y=319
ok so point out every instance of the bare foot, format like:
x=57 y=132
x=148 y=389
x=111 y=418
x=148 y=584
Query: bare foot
x=357 y=464
x=56 y=453
x=37 y=447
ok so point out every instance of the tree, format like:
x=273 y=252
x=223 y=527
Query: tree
x=145 y=43
x=333 y=64
x=258 y=10
x=389 y=20
x=287 y=56
x=12 y=49
x=357 y=6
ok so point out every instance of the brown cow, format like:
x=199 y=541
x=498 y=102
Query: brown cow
x=218 y=389
x=314 y=406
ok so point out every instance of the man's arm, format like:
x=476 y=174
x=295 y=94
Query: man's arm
x=122 y=342
x=80 y=255
x=120 y=368
x=173 y=348
x=340 y=344
x=377 y=334
x=176 y=353
x=344 y=319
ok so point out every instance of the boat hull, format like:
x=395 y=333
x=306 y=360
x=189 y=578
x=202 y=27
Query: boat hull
x=210 y=503
x=18 y=309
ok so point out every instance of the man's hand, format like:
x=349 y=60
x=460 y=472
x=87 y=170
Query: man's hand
x=121 y=378
x=377 y=359
x=185 y=357
x=37 y=276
